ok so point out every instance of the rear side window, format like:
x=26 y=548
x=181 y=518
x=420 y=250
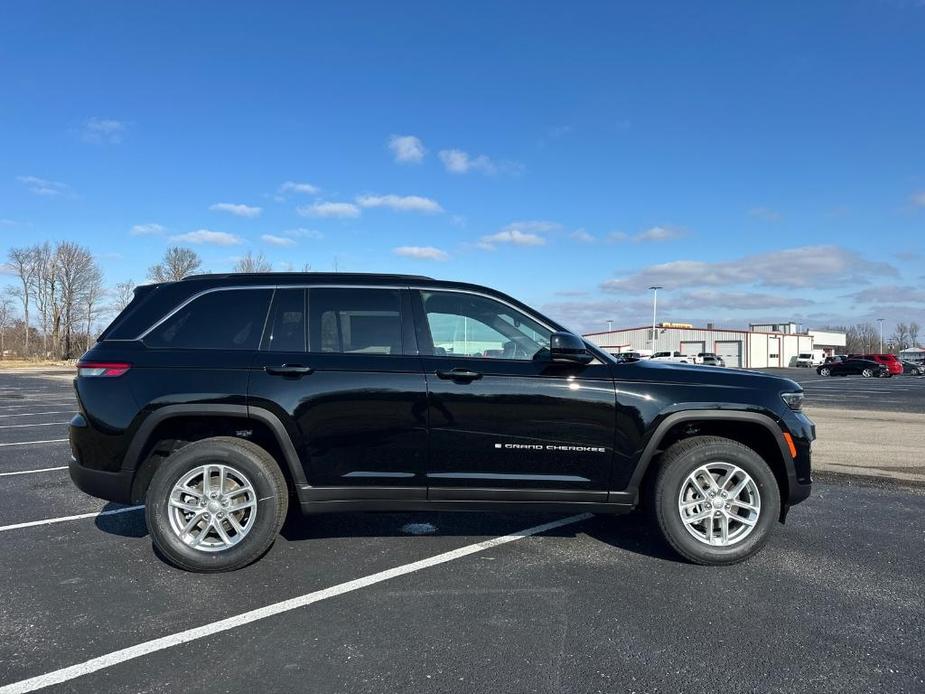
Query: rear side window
x=286 y=326
x=355 y=321
x=231 y=319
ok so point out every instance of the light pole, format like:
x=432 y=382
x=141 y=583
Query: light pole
x=610 y=326
x=881 y=335
x=654 y=305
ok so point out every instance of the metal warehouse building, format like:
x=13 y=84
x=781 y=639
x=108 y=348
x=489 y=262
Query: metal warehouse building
x=760 y=346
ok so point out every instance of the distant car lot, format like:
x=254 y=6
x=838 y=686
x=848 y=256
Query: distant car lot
x=593 y=605
x=903 y=393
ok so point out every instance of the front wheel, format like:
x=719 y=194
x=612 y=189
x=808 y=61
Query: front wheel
x=825 y=372
x=867 y=373
x=216 y=504
x=715 y=500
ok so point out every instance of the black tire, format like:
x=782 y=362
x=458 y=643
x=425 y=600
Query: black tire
x=682 y=459
x=867 y=373
x=263 y=473
x=825 y=371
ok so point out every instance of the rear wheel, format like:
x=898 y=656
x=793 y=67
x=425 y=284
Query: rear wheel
x=216 y=505
x=867 y=373
x=825 y=371
x=714 y=500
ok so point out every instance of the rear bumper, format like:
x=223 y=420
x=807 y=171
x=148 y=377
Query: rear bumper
x=111 y=486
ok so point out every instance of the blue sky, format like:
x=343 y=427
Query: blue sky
x=760 y=160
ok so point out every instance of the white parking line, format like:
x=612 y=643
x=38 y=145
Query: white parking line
x=65 y=519
x=24 y=426
x=32 y=472
x=30 y=443
x=36 y=414
x=142 y=649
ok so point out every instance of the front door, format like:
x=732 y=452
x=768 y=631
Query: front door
x=505 y=420
x=349 y=386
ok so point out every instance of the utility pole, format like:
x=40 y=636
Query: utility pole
x=881 y=335
x=654 y=306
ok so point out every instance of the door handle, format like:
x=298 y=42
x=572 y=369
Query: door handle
x=458 y=375
x=289 y=370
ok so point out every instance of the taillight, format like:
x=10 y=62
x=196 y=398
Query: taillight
x=102 y=368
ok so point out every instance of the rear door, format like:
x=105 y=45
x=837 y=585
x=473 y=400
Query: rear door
x=347 y=382
x=505 y=421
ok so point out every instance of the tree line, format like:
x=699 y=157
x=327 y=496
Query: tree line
x=864 y=338
x=58 y=301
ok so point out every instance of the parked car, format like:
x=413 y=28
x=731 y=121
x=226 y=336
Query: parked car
x=835 y=359
x=219 y=400
x=890 y=361
x=913 y=369
x=626 y=356
x=676 y=357
x=863 y=367
x=709 y=359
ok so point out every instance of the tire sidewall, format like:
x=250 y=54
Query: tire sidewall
x=265 y=525
x=674 y=475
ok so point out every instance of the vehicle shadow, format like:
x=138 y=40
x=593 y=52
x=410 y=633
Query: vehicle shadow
x=630 y=532
x=129 y=524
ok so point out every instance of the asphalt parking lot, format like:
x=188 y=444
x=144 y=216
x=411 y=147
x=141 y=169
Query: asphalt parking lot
x=373 y=602
x=897 y=394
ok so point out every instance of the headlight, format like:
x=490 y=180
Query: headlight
x=794 y=400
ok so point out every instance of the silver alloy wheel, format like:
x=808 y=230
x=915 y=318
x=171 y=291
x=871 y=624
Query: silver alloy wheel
x=867 y=373
x=824 y=372
x=719 y=504
x=212 y=507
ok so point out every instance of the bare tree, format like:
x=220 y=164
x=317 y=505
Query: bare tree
x=92 y=293
x=123 y=293
x=253 y=263
x=77 y=272
x=900 y=337
x=44 y=288
x=6 y=318
x=177 y=264
x=23 y=263
x=914 y=334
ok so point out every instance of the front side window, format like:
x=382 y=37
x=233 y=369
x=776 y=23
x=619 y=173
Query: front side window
x=468 y=325
x=355 y=321
x=223 y=319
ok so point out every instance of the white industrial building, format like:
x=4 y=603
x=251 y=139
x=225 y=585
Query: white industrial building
x=769 y=345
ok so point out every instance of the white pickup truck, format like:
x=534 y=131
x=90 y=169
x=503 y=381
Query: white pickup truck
x=676 y=357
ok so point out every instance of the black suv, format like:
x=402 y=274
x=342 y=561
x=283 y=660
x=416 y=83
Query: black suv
x=218 y=399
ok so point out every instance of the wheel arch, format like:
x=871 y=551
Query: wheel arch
x=170 y=427
x=758 y=431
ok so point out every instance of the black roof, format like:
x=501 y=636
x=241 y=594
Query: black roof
x=305 y=276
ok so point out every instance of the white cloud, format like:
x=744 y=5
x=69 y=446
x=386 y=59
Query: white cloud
x=457 y=161
x=421 y=252
x=302 y=233
x=296 y=187
x=282 y=241
x=808 y=266
x=652 y=234
x=918 y=199
x=399 y=203
x=330 y=209
x=99 y=131
x=147 y=230
x=765 y=214
x=42 y=186
x=206 y=236
x=524 y=233
x=888 y=294
x=236 y=210
x=583 y=236
x=8 y=223
x=407 y=149
x=706 y=299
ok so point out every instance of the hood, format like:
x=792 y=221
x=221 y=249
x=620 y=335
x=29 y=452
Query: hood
x=669 y=372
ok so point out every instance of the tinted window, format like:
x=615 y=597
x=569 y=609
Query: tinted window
x=230 y=319
x=355 y=321
x=286 y=327
x=467 y=325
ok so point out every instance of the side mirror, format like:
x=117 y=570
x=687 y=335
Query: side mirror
x=569 y=347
